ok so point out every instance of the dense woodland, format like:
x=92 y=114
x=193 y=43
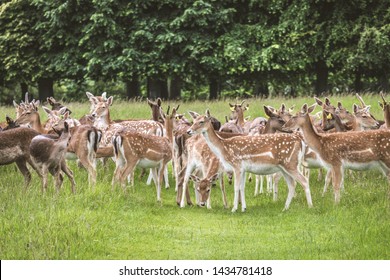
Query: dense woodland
x=192 y=49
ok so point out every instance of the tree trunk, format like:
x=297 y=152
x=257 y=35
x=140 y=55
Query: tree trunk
x=175 y=88
x=132 y=88
x=260 y=89
x=214 y=89
x=157 y=88
x=321 y=83
x=45 y=88
x=357 y=83
x=383 y=81
x=24 y=89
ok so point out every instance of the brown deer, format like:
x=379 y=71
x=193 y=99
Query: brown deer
x=15 y=147
x=48 y=156
x=386 y=112
x=264 y=154
x=10 y=124
x=144 y=150
x=359 y=150
x=82 y=145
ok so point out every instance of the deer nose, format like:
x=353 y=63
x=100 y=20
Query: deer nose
x=189 y=132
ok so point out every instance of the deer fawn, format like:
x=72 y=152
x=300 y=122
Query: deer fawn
x=48 y=155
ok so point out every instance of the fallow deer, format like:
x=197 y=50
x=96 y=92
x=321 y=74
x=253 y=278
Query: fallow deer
x=144 y=150
x=10 y=124
x=359 y=150
x=386 y=112
x=15 y=147
x=264 y=154
x=48 y=156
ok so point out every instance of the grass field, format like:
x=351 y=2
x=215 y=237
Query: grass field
x=106 y=224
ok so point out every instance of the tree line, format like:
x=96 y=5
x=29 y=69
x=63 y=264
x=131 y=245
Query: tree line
x=198 y=49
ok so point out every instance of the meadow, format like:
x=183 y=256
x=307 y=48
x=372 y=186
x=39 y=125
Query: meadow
x=111 y=225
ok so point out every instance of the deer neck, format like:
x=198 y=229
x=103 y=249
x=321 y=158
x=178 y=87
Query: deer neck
x=104 y=121
x=215 y=144
x=36 y=124
x=386 y=115
x=339 y=126
x=312 y=138
x=169 y=129
x=240 y=119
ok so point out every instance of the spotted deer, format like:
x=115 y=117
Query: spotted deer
x=48 y=156
x=360 y=150
x=263 y=154
x=103 y=121
x=199 y=157
x=144 y=150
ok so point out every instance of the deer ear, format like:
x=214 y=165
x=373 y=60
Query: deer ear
x=269 y=112
x=47 y=110
x=304 y=108
x=213 y=178
x=355 y=108
x=8 y=119
x=63 y=110
x=319 y=102
x=193 y=114
x=159 y=102
x=194 y=178
x=104 y=96
x=311 y=108
x=94 y=100
x=381 y=105
x=327 y=101
x=89 y=95
x=110 y=100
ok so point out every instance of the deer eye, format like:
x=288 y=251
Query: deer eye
x=208 y=190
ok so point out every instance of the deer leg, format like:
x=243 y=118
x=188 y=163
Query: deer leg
x=166 y=178
x=242 y=191
x=328 y=179
x=58 y=178
x=159 y=174
x=68 y=173
x=305 y=185
x=337 y=178
x=127 y=170
x=24 y=170
x=43 y=174
x=185 y=189
x=238 y=177
x=90 y=169
x=223 y=191
x=150 y=178
x=291 y=189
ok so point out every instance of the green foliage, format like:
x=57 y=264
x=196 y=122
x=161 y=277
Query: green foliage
x=274 y=43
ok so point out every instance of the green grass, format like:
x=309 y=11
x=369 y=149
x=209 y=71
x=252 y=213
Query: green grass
x=106 y=224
